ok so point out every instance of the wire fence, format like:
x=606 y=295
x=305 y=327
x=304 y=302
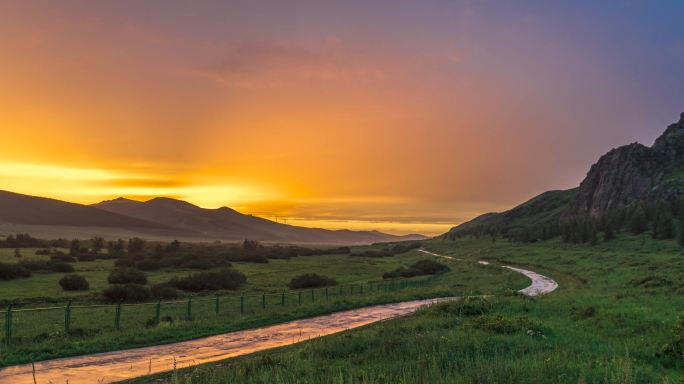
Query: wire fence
x=37 y=324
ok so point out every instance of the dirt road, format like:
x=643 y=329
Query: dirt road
x=120 y=365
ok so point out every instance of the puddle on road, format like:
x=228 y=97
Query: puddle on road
x=127 y=364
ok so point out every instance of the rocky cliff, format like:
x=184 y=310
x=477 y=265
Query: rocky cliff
x=623 y=176
x=633 y=173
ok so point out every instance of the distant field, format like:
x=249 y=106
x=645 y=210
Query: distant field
x=269 y=277
x=40 y=335
x=613 y=320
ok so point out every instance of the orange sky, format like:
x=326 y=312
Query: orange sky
x=399 y=118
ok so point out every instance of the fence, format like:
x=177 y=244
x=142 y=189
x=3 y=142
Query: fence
x=22 y=324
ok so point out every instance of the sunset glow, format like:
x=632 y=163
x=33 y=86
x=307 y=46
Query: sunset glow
x=323 y=121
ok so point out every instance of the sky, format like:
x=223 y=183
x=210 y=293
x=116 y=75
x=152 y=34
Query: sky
x=401 y=116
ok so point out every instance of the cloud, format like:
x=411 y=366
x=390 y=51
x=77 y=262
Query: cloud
x=251 y=64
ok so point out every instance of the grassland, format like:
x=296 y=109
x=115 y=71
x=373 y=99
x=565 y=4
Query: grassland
x=609 y=322
x=269 y=277
x=40 y=335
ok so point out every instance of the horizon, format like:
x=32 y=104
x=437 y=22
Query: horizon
x=402 y=118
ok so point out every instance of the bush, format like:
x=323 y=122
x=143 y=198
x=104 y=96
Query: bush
x=148 y=265
x=43 y=252
x=74 y=283
x=58 y=266
x=126 y=293
x=86 y=257
x=203 y=281
x=164 y=291
x=127 y=276
x=45 y=265
x=311 y=280
x=125 y=262
x=675 y=345
x=199 y=264
x=13 y=271
x=419 y=268
x=63 y=258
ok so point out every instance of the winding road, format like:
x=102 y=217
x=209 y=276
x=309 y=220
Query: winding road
x=115 y=366
x=541 y=284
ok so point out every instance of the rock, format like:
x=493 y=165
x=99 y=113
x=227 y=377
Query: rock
x=632 y=173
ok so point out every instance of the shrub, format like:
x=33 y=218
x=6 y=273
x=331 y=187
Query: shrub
x=419 y=268
x=127 y=276
x=148 y=265
x=311 y=280
x=86 y=257
x=63 y=258
x=74 y=283
x=225 y=279
x=164 y=291
x=199 y=264
x=45 y=265
x=126 y=293
x=675 y=346
x=125 y=262
x=58 y=266
x=43 y=252
x=13 y=271
x=466 y=307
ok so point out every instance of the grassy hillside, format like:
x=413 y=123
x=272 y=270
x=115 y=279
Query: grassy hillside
x=613 y=320
x=541 y=210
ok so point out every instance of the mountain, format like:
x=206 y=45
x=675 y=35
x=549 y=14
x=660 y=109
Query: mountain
x=161 y=219
x=228 y=224
x=622 y=178
x=25 y=211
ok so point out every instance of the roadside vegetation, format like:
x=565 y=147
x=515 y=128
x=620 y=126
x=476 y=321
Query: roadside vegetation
x=616 y=318
x=248 y=293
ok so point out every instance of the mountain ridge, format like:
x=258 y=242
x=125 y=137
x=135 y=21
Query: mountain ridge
x=166 y=218
x=621 y=178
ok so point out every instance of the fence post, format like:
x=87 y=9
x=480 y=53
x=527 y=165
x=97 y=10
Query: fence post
x=67 y=317
x=117 y=316
x=312 y=295
x=361 y=289
x=157 y=314
x=8 y=324
x=216 y=304
x=341 y=291
x=242 y=304
x=189 y=308
x=326 y=293
x=282 y=298
x=299 y=299
x=263 y=301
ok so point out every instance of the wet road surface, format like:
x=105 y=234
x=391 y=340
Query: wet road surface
x=127 y=364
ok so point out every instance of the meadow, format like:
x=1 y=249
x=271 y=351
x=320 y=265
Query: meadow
x=40 y=334
x=616 y=318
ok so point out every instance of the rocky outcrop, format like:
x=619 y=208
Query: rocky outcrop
x=623 y=176
x=671 y=143
x=632 y=173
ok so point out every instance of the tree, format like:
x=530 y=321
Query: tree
x=74 y=247
x=116 y=247
x=136 y=245
x=174 y=246
x=17 y=253
x=663 y=228
x=608 y=232
x=97 y=243
x=637 y=222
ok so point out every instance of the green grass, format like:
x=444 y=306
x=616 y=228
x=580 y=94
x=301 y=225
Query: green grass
x=273 y=276
x=39 y=335
x=607 y=323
